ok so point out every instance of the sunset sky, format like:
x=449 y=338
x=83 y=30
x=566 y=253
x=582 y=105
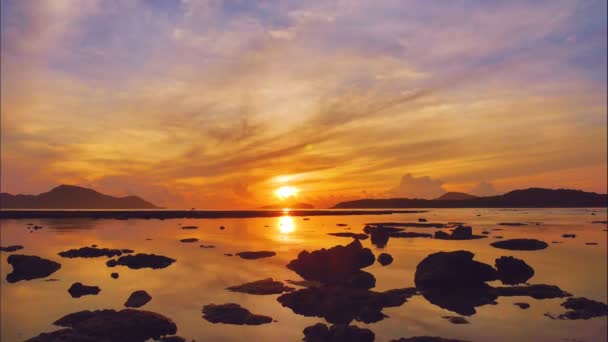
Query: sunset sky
x=216 y=104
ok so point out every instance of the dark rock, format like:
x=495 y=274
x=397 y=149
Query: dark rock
x=513 y=271
x=138 y=261
x=498 y=237
x=536 y=291
x=262 y=287
x=385 y=259
x=341 y=224
x=37 y=227
x=459 y=233
x=207 y=246
x=461 y=300
x=172 y=339
x=369 y=229
x=228 y=254
x=232 y=314
x=360 y=236
x=127 y=251
x=410 y=235
x=485 y=232
x=452 y=270
x=222 y=227
x=189 y=240
x=591 y=243
x=138 y=299
x=337 y=333
x=110 y=325
x=520 y=244
x=600 y=222
x=51 y=279
x=341 y=305
x=583 y=308
x=90 y=252
x=410 y=224
x=28 y=267
x=456 y=319
x=557 y=242
x=305 y=283
x=422 y=220
x=11 y=249
x=513 y=224
x=427 y=339
x=78 y=290
x=114 y=275
x=189 y=227
x=334 y=265
x=256 y=255
x=572 y=236
x=306 y=219
x=522 y=305
x=379 y=237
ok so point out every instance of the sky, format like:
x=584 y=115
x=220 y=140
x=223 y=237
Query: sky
x=216 y=104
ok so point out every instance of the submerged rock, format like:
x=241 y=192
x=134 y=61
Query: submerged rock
x=261 y=287
x=536 y=291
x=427 y=339
x=256 y=255
x=513 y=224
x=187 y=240
x=461 y=300
x=28 y=267
x=520 y=244
x=583 y=308
x=189 y=227
x=138 y=261
x=11 y=249
x=90 y=252
x=360 y=236
x=114 y=275
x=422 y=220
x=337 y=333
x=456 y=319
x=138 y=299
x=334 y=265
x=207 y=246
x=232 y=314
x=172 y=339
x=110 y=325
x=410 y=235
x=78 y=290
x=569 y=236
x=523 y=306
x=452 y=270
x=459 y=233
x=591 y=243
x=341 y=305
x=513 y=271
x=385 y=259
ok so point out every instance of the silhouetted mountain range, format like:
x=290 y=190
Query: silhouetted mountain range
x=72 y=197
x=455 y=196
x=527 y=198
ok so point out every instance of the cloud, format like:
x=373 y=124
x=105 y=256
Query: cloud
x=418 y=187
x=484 y=189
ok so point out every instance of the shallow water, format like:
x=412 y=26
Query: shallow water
x=200 y=276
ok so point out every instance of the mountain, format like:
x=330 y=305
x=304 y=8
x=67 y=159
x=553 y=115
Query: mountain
x=72 y=197
x=454 y=196
x=527 y=198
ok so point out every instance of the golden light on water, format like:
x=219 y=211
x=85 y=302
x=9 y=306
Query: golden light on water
x=286 y=224
x=285 y=192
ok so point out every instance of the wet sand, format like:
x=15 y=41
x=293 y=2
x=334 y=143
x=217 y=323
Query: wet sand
x=200 y=276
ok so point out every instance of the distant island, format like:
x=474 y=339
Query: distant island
x=72 y=197
x=527 y=198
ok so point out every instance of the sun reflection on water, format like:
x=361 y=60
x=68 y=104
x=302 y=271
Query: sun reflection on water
x=286 y=224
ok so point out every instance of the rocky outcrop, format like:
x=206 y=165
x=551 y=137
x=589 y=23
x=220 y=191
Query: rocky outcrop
x=28 y=267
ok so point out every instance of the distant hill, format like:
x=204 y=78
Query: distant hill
x=527 y=198
x=72 y=197
x=454 y=196
x=290 y=206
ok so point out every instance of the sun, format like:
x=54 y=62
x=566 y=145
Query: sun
x=285 y=192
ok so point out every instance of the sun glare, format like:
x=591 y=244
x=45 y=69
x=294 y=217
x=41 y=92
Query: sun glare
x=285 y=192
x=286 y=224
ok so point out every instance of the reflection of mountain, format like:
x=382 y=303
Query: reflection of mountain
x=298 y=205
x=72 y=197
x=454 y=196
x=528 y=198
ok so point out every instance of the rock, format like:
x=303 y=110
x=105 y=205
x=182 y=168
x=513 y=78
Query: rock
x=189 y=227
x=306 y=219
x=341 y=224
x=369 y=229
x=228 y=254
x=188 y=240
x=127 y=251
x=422 y=220
x=172 y=339
x=110 y=325
x=410 y=224
x=591 y=243
x=427 y=339
x=305 y=283
x=341 y=305
x=261 y=287
x=456 y=319
x=536 y=291
x=600 y=222
x=350 y=235
x=522 y=305
x=572 y=236
x=11 y=249
x=207 y=246
x=485 y=232
x=498 y=237
x=461 y=300
x=334 y=265
x=337 y=333
x=138 y=261
x=138 y=299
x=513 y=224
x=222 y=227
x=583 y=308
x=385 y=259
x=459 y=233
x=513 y=271
x=520 y=244
x=256 y=255
x=232 y=314
x=379 y=237
x=410 y=235
x=28 y=267
x=90 y=252
x=114 y=275
x=78 y=290
x=452 y=270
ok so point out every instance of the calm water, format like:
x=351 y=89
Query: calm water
x=200 y=276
